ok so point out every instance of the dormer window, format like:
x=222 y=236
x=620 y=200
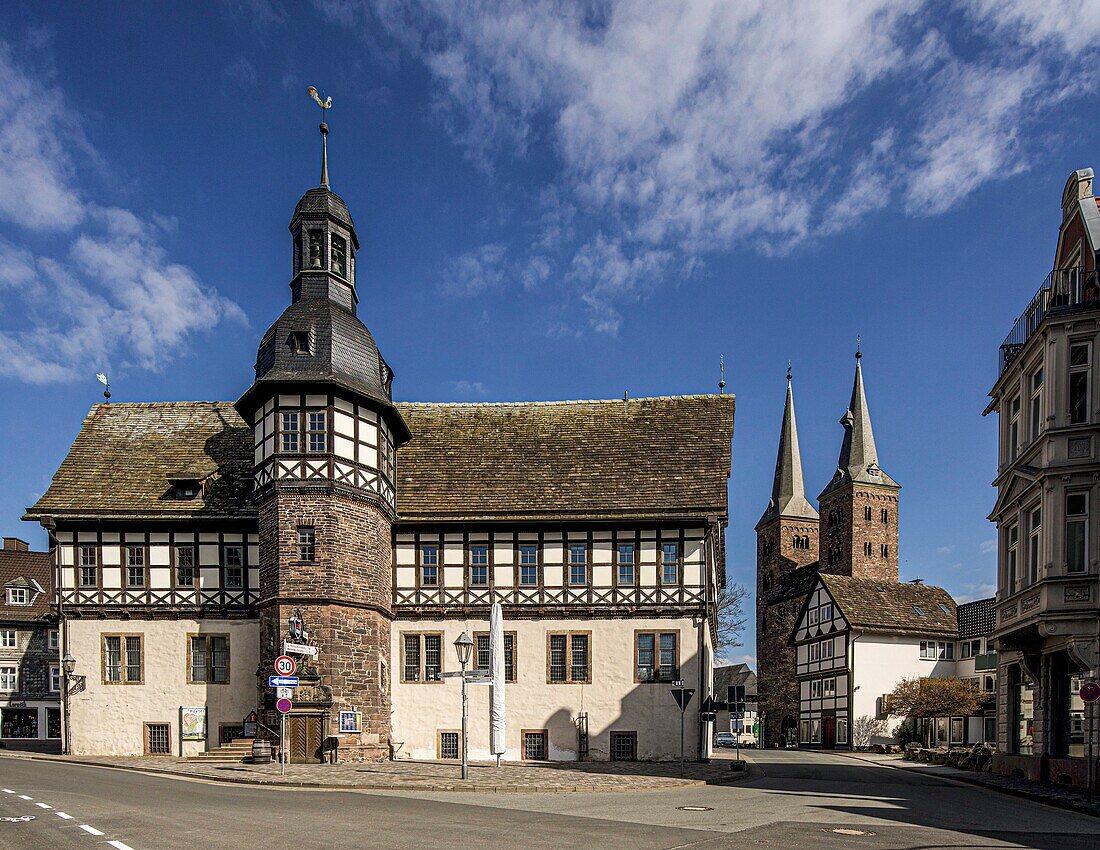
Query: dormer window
x=19 y=596
x=190 y=484
x=339 y=256
x=299 y=342
x=316 y=249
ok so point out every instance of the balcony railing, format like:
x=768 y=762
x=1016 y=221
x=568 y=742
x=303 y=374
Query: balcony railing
x=986 y=661
x=1064 y=291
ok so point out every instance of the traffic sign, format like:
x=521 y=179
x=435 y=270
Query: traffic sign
x=285 y=666
x=1090 y=692
x=283 y=706
x=282 y=681
x=683 y=696
x=300 y=649
x=284 y=693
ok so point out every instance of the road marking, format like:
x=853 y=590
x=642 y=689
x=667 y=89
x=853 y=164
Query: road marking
x=8 y=791
x=64 y=815
x=44 y=805
x=91 y=830
x=120 y=846
x=25 y=797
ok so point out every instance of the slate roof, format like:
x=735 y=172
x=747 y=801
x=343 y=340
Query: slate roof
x=647 y=458
x=322 y=202
x=734 y=674
x=885 y=607
x=21 y=569
x=788 y=489
x=124 y=455
x=977 y=618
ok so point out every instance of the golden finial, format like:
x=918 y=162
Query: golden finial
x=325 y=105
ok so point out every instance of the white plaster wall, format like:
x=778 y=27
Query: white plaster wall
x=880 y=662
x=613 y=701
x=107 y=719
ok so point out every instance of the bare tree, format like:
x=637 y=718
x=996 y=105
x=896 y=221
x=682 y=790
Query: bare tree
x=731 y=616
x=865 y=728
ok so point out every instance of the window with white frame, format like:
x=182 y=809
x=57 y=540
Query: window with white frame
x=429 y=565
x=316 y=433
x=815 y=652
x=19 y=596
x=1077 y=523
x=55 y=679
x=1080 y=361
x=9 y=677
x=528 y=565
x=815 y=689
x=55 y=639
x=826 y=612
x=578 y=563
x=931 y=650
x=828 y=688
x=626 y=563
x=9 y=639
x=812 y=615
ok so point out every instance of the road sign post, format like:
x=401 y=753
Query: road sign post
x=682 y=696
x=283 y=706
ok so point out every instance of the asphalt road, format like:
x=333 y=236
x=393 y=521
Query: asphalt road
x=793 y=800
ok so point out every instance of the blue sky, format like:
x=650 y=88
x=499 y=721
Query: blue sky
x=555 y=201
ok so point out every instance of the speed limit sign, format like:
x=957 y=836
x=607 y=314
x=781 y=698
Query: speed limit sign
x=285 y=666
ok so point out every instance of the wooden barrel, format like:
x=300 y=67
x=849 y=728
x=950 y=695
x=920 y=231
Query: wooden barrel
x=261 y=751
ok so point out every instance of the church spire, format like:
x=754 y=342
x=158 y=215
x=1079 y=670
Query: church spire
x=858 y=462
x=788 y=490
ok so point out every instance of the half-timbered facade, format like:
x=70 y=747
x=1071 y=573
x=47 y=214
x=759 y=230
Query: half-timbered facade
x=186 y=535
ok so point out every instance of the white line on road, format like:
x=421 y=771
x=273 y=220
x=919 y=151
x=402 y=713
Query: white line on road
x=91 y=830
x=25 y=797
x=118 y=845
x=8 y=791
x=64 y=815
x=44 y=805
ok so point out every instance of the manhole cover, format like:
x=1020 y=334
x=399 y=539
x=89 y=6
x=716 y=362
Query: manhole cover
x=695 y=808
x=20 y=819
x=845 y=831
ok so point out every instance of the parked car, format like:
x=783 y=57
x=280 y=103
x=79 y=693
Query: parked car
x=725 y=739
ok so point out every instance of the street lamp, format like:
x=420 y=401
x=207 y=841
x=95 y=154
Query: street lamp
x=464 y=646
x=68 y=665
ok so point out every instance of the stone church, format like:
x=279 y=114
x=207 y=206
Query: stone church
x=192 y=540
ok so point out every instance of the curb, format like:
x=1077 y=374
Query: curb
x=900 y=763
x=153 y=770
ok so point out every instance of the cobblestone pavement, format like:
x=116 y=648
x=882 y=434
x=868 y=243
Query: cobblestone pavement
x=1042 y=792
x=436 y=776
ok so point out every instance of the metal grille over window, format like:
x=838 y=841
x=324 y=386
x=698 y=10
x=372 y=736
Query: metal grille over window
x=557 y=658
x=534 y=746
x=158 y=739
x=412 y=658
x=433 y=657
x=579 y=657
x=448 y=745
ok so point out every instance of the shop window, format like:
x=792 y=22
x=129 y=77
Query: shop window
x=19 y=723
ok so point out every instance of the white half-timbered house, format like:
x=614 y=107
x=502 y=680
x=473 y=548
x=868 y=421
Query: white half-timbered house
x=186 y=535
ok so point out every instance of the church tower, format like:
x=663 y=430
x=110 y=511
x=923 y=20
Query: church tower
x=326 y=433
x=859 y=507
x=786 y=538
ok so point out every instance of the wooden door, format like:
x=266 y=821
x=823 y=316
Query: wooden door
x=828 y=733
x=304 y=739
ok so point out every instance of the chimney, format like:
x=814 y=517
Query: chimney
x=14 y=544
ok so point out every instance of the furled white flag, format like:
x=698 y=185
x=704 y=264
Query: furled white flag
x=496 y=665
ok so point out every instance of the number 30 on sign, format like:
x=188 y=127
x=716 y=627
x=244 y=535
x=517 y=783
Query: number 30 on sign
x=284 y=665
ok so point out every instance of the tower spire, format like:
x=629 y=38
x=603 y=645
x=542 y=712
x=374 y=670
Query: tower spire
x=324 y=104
x=858 y=461
x=788 y=489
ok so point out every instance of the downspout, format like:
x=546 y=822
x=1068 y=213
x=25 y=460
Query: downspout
x=852 y=638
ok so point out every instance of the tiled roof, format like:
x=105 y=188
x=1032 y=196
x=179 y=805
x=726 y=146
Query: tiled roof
x=977 y=618
x=735 y=674
x=548 y=460
x=22 y=569
x=125 y=453
x=649 y=457
x=886 y=607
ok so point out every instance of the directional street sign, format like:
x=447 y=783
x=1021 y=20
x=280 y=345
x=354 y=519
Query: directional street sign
x=683 y=696
x=474 y=677
x=299 y=649
x=282 y=681
x=283 y=706
x=284 y=693
x=1090 y=692
x=285 y=666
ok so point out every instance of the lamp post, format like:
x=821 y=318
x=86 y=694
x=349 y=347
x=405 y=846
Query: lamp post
x=464 y=646
x=68 y=665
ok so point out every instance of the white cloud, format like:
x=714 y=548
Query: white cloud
x=241 y=72
x=945 y=550
x=475 y=271
x=679 y=129
x=987 y=546
x=469 y=389
x=972 y=592
x=107 y=294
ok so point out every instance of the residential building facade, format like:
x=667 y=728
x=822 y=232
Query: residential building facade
x=732 y=681
x=30 y=672
x=195 y=540
x=1045 y=398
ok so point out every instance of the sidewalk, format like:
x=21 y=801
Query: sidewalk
x=1061 y=797
x=510 y=777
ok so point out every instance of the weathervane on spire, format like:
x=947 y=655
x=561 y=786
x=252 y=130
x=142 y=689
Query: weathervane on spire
x=859 y=354
x=325 y=105
x=722 y=370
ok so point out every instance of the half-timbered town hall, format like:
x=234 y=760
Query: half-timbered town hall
x=192 y=540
